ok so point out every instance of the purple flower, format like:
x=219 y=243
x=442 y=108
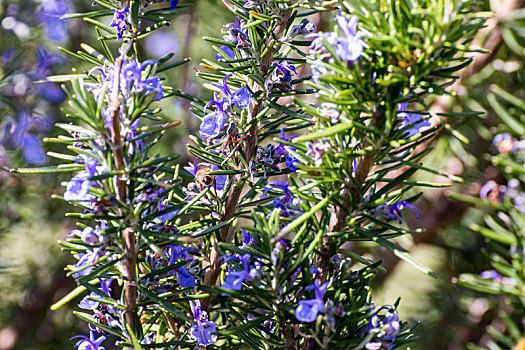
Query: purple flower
x=283 y=185
x=490 y=274
x=350 y=46
x=77 y=188
x=90 y=163
x=281 y=77
x=152 y=84
x=131 y=79
x=213 y=123
x=496 y=277
x=167 y=216
x=176 y=252
x=235 y=279
x=50 y=91
x=237 y=34
x=287 y=204
x=393 y=211
x=88 y=235
x=247 y=239
x=138 y=145
x=241 y=98
x=54 y=27
x=317 y=149
x=184 y=278
x=307 y=310
x=385 y=329
x=281 y=151
x=237 y=25
x=317 y=45
x=203 y=330
x=173 y=4
x=285 y=70
x=492 y=192
x=20 y=135
x=228 y=51
x=45 y=62
x=87 y=303
x=411 y=123
x=120 y=21
x=91 y=343
x=86 y=261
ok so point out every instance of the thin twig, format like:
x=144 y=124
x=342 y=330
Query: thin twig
x=128 y=235
x=249 y=150
x=351 y=190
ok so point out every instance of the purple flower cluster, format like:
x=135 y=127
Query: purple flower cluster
x=120 y=21
x=131 y=80
x=214 y=122
x=348 y=47
x=281 y=77
x=21 y=133
x=236 y=34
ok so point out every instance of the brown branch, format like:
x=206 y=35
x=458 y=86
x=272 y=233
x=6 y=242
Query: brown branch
x=249 y=147
x=351 y=190
x=128 y=235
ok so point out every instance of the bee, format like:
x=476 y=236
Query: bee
x=520 y=345
x=102 y=319
x=101 y=206
x=143 y=317
x=505 y=143
x=203 y=178
x=169 y=229
x=232 y=137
